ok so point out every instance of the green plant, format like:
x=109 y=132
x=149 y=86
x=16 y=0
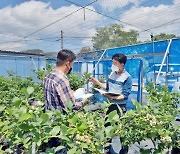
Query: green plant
x=12 y=86
x=83 y=131
x=74 y=79
x=101 y=79
x=79 y=131
x=42 y=73
x=77 y=82
x=23 y=124
x=153 y=121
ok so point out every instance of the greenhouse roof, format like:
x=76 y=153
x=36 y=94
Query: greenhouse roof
x=19 y=53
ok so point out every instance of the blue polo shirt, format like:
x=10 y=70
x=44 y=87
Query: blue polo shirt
x=120 y=83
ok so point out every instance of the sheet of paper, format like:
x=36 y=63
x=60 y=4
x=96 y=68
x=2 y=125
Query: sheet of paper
x=100 y=91
x=105 y=92
x=81 y=94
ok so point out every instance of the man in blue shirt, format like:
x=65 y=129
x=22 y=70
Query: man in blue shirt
x=120 y=83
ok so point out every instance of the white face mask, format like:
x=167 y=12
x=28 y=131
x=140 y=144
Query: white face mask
x=114 y=68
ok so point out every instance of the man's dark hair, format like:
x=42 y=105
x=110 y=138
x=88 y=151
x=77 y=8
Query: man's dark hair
x=121 y=58
x=65 y=55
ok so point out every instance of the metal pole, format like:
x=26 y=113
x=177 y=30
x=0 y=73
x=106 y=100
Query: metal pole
x=152 y=39
x=34 y=64
x=164 y=58
x=141 y=81
x=99 y=60
x=62 y=40
x=167 y=68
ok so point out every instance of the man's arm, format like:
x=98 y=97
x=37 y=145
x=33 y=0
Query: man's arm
x=64 y=90
x=125 y=91
x=97 y=82
x=117 y=97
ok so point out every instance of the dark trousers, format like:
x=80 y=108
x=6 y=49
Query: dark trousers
x=53 y=142
x=111 y=108
x=114 y=107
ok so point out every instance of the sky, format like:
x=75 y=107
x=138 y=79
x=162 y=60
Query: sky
x=37 y=24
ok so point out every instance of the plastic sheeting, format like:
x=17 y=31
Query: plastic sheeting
x=21 y=66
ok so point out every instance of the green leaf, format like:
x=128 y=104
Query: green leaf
x=100 y=135
x=25 y=116
x=84 y=145
x=55 y=130
x=10 y=111
x=71 y=130
x=30 y=90
x=16 y=101
x=39 y=143
x=9 y=126
x=2 y=108
x=63 y=138
x=24 y=127
x=24 y=91
x=72 y=151
x=63 y=129
x=8 y=150
x=49 y=151
x=60 y=147
x=23 y=110
x=2 y=124
x=138 y=106
x=112 y=115
x=69 y=105
x=45 y=141
x=120 y=110
x=82 y=127
x=73 y=120
x=44 y=117
x=116 y=117
x=25 y=140
x=6 y=127
x=109 y=131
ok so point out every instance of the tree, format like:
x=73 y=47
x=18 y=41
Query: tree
x=113 y=36
x=163 y=36
x=85 y=49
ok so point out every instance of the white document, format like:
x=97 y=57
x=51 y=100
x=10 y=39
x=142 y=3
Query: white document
x=81 y=94
x=105 y=92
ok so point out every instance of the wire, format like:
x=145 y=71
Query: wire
x=52 y=23
x=142 y=15
x=105 y=15
x=161 y=25
x=143 y=30
x=29 y=40
x=79 y=38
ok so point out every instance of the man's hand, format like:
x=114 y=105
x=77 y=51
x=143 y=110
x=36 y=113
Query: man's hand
x=84 y=101
x=80 y=104
x=108 y=96
x=94 y=80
